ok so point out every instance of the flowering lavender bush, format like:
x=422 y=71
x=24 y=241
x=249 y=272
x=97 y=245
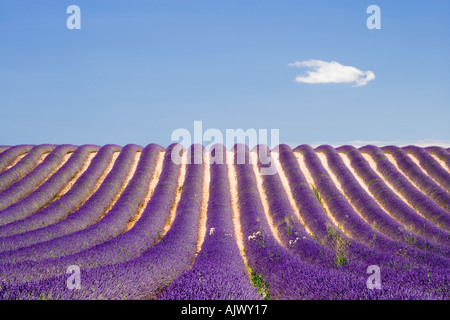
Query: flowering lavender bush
x=87 y=214
x=219 y=271
x=427 y=185
x=441 y=153
x=49 y=189
x=63 y=206
x=286 y=276
x=370 y=210
x=321 y=247
x=9 y=177
x=143 y=277
x=420 y=202
x=341 y=209
x=392 y=203
x=8 y=156
x=85 y=236
x=126 y=246
x=291 y=232
x=431 y=166
x=32 y=180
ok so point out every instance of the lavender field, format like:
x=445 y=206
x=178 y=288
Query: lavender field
x=139 y=225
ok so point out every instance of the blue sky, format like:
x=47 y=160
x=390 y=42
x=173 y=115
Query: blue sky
x=138 y=70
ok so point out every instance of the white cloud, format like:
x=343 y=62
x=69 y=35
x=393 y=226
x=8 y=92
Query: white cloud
x=332 y=72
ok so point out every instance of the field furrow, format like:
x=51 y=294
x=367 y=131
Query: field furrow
x=418 y=177
x=364 y=204
x=33 y=180
x=59 y=209
x=440 y=154
x=100 y=225
x=145 y=233
x=48 y=190
x=284 y=222
x=10 y=156
x=430 y=165
x=89 y=213
x=91 y=153
x=191 y=224
x=218 y=265
x=33 y=158
x=421 y=204
x=391 y=202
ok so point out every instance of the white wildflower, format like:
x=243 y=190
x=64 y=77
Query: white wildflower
x=293 y=242
x=254 y=235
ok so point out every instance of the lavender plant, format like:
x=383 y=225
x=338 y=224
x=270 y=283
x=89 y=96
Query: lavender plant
x=41 y=196
x=419 y=201
x=62 y=207
x=425 y=184
x=26 y=164
x=441 y=153
x=9 y=155
x=431 y=166
x=392 y=203
x=219 y=271
x=370 y=210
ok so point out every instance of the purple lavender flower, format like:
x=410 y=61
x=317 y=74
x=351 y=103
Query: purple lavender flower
x=393 y=204
x=370 y=210
x=60 y=208
x=427 y=185
x=27 y=163
x=419 y=201
x=146 y=276
x=219 y=271
x=129 y=245
x=431 y=166
x=441 y=153
x=8 y=156
x=42 y=195
x=89 y=235
x=140 y=263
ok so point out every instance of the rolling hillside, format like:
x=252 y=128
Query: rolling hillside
x=140 y=225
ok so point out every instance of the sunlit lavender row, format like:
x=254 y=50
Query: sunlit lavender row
x=150 y=222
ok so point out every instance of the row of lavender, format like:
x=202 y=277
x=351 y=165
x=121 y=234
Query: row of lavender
x=314 y=259
x=297 y=272
x=144 y=276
